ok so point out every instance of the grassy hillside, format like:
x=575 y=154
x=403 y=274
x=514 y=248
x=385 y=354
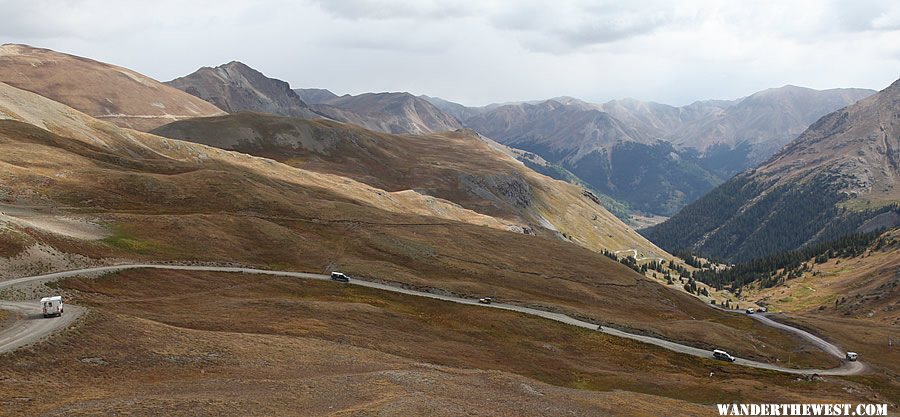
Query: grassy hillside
x=457 y=166
x=175 y=341
x=115 y=94
x=176 y=201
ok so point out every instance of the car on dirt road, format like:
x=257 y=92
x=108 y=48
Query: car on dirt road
x=750 y=311
x=52 y=306
x=339 y=277
x=485 y=300
x=723 y=355
x=852 y=356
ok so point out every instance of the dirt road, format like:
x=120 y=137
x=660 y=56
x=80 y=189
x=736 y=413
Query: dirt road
x=21 y=333
x=29 y=324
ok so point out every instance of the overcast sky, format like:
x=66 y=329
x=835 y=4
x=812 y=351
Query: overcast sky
x=483 y=51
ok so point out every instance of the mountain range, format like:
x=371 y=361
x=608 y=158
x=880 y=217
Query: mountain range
x=651 y=157
x=421 y=203
x=840 y=176
x=236 y=87
x=655 y=157
x=152 y=198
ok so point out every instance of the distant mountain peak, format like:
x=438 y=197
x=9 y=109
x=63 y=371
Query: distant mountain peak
x=236 y=87
x=390 y=112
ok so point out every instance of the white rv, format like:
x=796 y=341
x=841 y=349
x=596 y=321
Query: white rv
x=52 y=306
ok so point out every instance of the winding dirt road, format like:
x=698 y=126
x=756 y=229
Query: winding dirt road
x=32 y=327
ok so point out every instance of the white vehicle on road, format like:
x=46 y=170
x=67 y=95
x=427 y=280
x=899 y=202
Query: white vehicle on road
x=723 y=355
x=339 y=277
x=851 y=356
x=52 y=306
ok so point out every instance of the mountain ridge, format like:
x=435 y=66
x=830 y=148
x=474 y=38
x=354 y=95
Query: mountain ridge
x=235 y=87
x=838 y=175
x=457 y=166
x=120 y=95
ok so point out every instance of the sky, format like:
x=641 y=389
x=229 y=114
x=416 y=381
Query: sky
x=487 y=51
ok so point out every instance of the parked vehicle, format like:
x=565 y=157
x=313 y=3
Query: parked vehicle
x=340 y=277
x=851 y=356
x=485 y=300
x=750 y=311
x=52 y=306
x=762 y=310
x=723 y=355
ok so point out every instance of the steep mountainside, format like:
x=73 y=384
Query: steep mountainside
x=389 y=113
x=457 y=166
x=314 y=95
x=105 y=91
x=236 y=87
x=840 y=175
x=610 y=156
x=166 y=199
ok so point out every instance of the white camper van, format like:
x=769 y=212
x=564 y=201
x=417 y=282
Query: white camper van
x=52 y=306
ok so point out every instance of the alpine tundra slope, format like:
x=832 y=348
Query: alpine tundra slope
x=28 y=329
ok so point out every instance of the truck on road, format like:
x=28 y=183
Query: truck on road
x=52 y=306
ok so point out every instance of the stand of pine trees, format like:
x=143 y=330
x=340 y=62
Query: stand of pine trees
x=775 y=269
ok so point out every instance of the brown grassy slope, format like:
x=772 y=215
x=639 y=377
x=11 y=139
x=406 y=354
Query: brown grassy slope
x=853 y=301
x=876 y=343
x=861 y=287
x=171 y=200
x=227 y=337
x=160 y=172
x=116 y=94
x=147 y=368
x=456 y=166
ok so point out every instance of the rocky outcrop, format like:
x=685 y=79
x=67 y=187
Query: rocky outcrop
x=236 y=87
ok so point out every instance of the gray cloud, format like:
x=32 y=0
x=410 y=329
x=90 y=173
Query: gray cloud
x=393 y=9
x=481 y=51
x=866 y=15
x=567 y=26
